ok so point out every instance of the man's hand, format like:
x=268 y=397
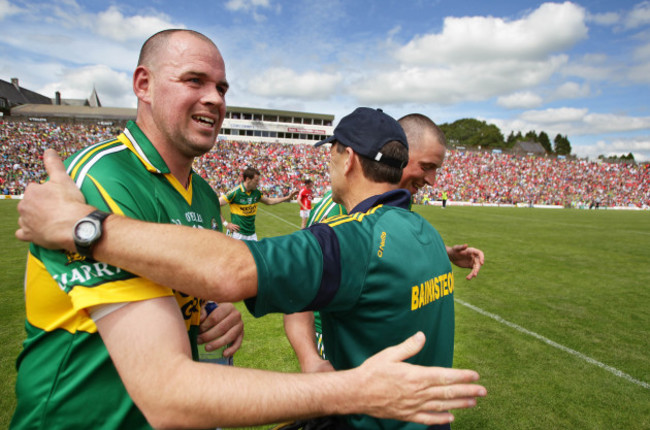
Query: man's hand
x=223 y=326
x=49 y=211
x=293 y=194
x=232 y=227
x=416 y=393
x=469 y=258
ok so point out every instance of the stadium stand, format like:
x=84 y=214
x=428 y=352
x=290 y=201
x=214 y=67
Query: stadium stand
x=468 y=177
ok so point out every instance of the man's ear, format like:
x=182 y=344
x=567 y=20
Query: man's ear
x=142 y=83
x=350 y=160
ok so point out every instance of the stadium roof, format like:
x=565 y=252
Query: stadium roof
x=107 y=113
x=17 y=95
x=280 y=112
x=79 y=112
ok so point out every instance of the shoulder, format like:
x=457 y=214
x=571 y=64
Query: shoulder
x=102 y=161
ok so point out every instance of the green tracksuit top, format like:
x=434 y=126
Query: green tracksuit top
x=378 y=275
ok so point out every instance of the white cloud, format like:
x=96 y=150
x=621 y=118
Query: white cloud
x=8 y=9
x=639 y=16
x=246 y=5
x=607 y=19
x=520 y=100
x=114 y=88
x=476 y=58
x=571 y=90
x=640 y=73
x=454 y=83
x=593 y=67
x=114 y=25
x=252 y=6
x=554 y=116
x=477 y=39
x=283 y=82
x=572 y=122
x=638 y=146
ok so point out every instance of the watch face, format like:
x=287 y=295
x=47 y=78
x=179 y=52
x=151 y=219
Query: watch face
x=86 y=231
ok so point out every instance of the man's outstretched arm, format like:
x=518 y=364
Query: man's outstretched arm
x=276 y=200
x=467 y=257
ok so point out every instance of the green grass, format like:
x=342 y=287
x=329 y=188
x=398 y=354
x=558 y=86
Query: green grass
x=577 y=278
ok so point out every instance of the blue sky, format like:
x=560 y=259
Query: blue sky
x=581 y=69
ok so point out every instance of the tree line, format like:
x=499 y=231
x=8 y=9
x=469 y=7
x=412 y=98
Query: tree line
x=471 y=132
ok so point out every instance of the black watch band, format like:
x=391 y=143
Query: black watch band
x=87 y=231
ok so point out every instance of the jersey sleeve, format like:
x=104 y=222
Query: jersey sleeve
x=230 y=195
x=91 y=283
x=303 y=271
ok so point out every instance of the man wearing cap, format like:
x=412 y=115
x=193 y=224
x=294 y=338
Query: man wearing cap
x=427 y=148
x=378 y=275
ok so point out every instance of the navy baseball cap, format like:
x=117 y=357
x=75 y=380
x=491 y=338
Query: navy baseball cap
x=366 y=131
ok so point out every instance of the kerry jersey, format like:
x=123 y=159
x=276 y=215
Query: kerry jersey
x=324 y=209
x=378 y=275
x=63 y=354
x=243 y=208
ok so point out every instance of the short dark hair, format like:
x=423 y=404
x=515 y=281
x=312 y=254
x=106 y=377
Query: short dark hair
x=250 y=172
x=381 y=172
x=308 y=181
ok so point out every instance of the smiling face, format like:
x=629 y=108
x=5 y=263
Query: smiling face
x=183 y=95
x=252 y=183
x=426 y=155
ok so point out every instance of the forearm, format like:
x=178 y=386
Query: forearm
x=299 y=328
x=148 y=343
x=199 y=262
x=228 y=396
x=276 y=200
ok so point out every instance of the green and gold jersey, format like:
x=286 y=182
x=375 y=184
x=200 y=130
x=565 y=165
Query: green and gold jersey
x=324 y=209
x=66 y=378
x=378 y=275
x=243 y=208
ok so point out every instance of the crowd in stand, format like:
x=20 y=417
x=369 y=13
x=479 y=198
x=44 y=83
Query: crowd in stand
x=476 y=177
x=484 y=177
x=22 y=145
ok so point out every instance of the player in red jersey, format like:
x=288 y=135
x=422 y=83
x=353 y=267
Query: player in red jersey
x=304 y=198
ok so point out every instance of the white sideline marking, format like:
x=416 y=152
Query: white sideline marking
x=280 y=218
x=580 y=355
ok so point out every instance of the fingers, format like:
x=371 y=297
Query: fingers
x=54 y=167
x=478 y=258
x=234 y=345
x=402 y=351
x=432 y=418
x=223 y=326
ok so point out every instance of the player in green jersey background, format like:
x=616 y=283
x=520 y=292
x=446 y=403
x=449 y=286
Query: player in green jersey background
x=243 y=201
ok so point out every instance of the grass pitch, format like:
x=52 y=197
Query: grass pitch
x=557 y=323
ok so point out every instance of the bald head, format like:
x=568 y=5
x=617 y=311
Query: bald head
x=158 y=43
x=419 y=129
x=427 y=148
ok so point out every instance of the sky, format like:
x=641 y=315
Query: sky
x=580 y=69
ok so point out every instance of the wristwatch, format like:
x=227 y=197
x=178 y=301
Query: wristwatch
x=87 y=231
